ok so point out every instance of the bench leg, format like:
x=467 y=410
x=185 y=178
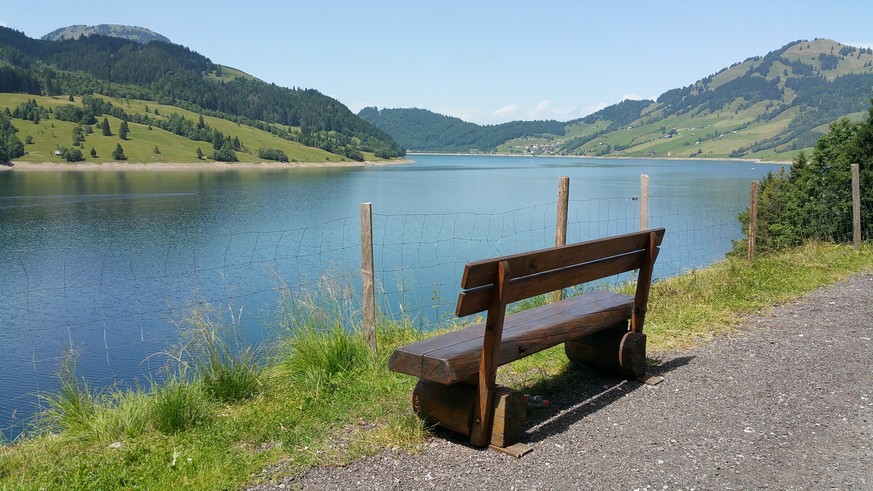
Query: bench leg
x=452 y=407
x=613 y=350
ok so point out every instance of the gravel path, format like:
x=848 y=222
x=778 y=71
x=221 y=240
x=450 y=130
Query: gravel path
x=786 y=402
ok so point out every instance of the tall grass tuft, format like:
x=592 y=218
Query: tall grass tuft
x=179 y=405
x=94 y=417
x=323 y=346
x=71 y=408
x=322 y=358
x=120 y=414
x=213 y=347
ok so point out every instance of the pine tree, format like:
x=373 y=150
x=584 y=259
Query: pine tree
x=118 y=153
x=122 y=130
x=105 y=128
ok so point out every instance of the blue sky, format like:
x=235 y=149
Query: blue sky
x=483 y=61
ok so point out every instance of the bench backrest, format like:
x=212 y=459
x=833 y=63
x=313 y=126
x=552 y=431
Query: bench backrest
x=546 y=270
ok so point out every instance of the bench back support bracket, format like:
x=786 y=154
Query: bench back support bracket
x=481 y=432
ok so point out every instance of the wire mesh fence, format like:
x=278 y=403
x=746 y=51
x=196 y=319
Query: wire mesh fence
x=119 y=309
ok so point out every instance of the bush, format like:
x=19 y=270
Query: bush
x=272 y=154
x=74 y=155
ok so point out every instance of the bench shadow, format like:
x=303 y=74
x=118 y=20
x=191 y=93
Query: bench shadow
x=574 y=394
x=581 y=391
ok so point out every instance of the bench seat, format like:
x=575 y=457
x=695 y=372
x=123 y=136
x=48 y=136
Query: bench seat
x=455 y=356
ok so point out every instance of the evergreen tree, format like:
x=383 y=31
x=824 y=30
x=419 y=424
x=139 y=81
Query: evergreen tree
x=814 y=199
x=199 y=154
x=226 y=153
x=118 y=153
x=122 y=130
x=105 y=128
x=93 y=153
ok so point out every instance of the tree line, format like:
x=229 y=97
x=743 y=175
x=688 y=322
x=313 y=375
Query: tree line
x=171 y=74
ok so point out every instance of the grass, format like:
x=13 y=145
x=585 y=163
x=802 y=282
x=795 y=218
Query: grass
x=325 y=399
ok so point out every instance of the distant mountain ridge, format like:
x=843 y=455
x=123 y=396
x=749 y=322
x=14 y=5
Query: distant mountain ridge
x=136 y=34
x=763 y=107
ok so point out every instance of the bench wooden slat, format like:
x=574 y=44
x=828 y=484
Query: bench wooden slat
x=484 y=272
x=477 y=300
x=455 y=356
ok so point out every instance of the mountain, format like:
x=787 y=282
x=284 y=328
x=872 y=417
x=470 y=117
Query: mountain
x=116 y=71
x=132 y=33
x=763 y=107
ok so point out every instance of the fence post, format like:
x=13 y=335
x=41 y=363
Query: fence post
x=856 y=205
x=644 y=202
x=561 y=222
x=753 y=220
x=368 y=275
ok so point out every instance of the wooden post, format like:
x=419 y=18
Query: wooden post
x=480 y=434
x=561 y=222
x=753 y=220
x=856 y=205
x=368 y=275
x=644 y=202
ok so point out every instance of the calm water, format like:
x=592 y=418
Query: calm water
x=107 y=263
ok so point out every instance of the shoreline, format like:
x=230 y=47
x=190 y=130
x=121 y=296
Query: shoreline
x=225 y=166
x=609 y=157
x=186 y=166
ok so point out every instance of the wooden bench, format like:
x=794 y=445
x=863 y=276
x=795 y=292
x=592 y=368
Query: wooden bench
x=457 y=369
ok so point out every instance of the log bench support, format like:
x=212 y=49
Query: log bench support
x=458 y=369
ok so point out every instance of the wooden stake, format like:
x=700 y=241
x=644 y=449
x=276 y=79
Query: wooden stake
x=753 y=220
x=644 y=202
x=856 y=205
x=368 y=275
x=561 y=222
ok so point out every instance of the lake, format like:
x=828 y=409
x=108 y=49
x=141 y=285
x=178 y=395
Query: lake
x=109 y=263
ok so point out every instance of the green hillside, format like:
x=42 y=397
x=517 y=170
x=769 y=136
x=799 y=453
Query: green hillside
x=766 y=107
x=246 y=112
x=48 y=135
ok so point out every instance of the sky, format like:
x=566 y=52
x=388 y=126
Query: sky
x=483 y=61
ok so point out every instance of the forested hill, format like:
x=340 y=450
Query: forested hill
x=763 y=107
x=171 y=74
x=423 y=130
x=133 y=33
